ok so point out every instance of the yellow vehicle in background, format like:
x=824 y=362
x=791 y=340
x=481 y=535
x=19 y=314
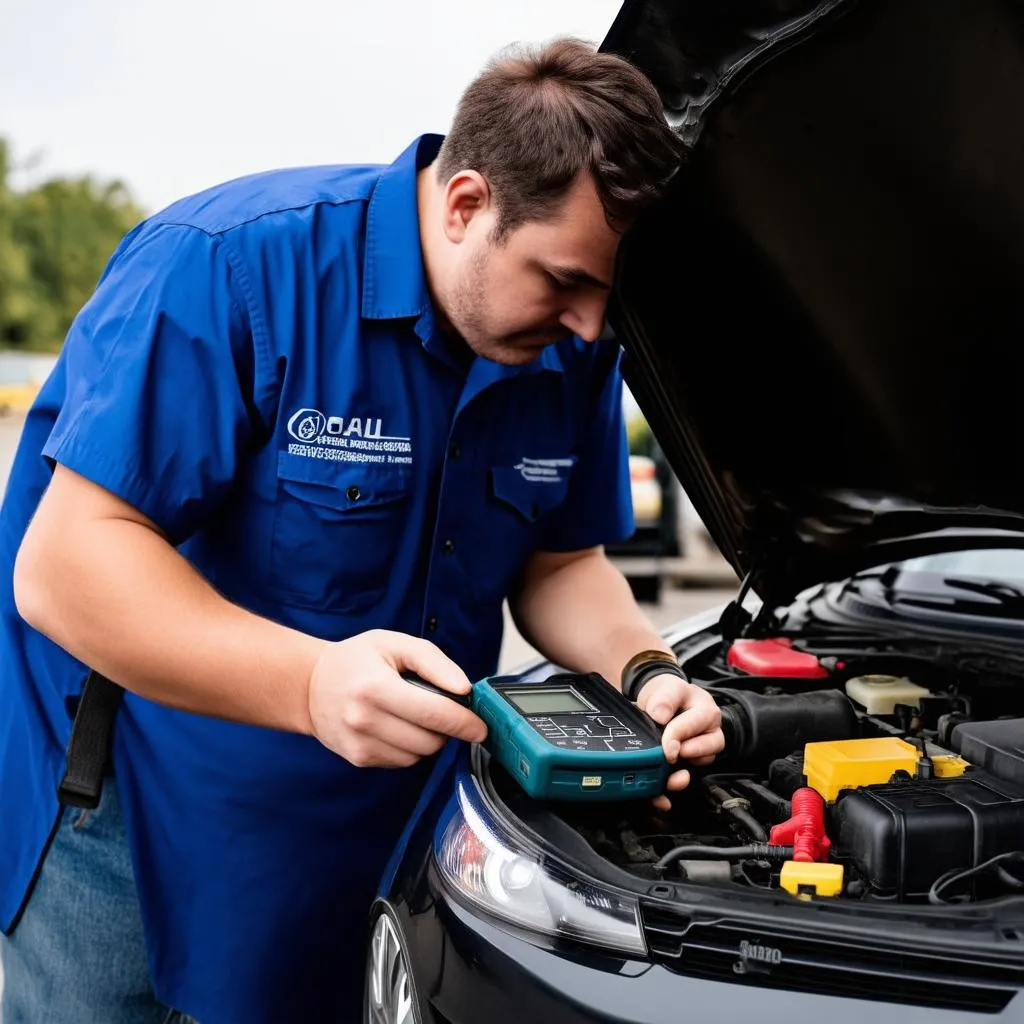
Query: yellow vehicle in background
x=655 y=511
x=16 y=398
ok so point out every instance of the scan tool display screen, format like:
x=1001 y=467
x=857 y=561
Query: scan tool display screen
x=562 y=700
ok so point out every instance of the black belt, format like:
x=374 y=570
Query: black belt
x=88 y=754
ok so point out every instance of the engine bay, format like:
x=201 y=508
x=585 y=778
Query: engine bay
x=867 y=773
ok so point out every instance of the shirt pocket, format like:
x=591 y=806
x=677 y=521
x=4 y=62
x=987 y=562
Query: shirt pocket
x=520 y=497
x=337 y=528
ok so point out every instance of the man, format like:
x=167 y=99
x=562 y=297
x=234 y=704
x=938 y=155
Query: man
x=310 y=432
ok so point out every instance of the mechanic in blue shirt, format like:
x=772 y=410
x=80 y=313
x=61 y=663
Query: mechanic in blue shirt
x=311 y=430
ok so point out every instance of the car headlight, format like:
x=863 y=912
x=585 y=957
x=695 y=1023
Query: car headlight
x=485 y=865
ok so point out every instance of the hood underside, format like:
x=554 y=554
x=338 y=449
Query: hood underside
x=824 y=321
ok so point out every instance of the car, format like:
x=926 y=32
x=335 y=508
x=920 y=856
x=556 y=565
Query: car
x=822 y=323
x=657 y=512
x=655 y=538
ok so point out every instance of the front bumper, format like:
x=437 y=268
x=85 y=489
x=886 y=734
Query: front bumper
x=467 y=970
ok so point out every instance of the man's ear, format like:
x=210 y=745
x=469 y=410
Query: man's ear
x=467 y=196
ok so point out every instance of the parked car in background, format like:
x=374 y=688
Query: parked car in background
x=656 y=512
x=824 y=323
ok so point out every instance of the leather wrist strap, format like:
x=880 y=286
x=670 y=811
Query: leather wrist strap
x=645 y=666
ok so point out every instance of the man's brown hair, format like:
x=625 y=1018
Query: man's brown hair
x=536 y=118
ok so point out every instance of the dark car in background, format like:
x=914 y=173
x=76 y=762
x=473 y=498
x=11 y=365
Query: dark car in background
x=656 y=496
x=823 y=327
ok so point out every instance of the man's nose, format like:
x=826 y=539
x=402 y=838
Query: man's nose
x=586 y=317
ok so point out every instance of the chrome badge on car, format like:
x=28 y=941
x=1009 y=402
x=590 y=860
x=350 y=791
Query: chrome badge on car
x=756 y=957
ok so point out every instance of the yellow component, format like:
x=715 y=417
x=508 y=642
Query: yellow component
x=949 y=766
x=805 y=879
x=847 y=764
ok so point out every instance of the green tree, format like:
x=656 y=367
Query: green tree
x=54 y=242
x=19 y=306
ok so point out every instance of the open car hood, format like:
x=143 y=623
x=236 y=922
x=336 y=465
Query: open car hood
x=824 y=322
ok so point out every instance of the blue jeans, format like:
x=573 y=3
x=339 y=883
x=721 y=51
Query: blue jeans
x=78 y=954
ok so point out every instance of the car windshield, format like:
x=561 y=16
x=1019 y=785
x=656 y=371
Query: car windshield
x=988 y=582
x=1003 y=565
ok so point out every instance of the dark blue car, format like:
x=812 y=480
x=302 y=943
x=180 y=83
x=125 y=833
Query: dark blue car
x=823 y=325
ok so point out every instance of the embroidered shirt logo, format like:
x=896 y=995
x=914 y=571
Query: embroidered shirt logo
x=345 y=439
x=544 y=471
x=307 y=425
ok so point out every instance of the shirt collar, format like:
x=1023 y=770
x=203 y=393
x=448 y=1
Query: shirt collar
x=394 y=282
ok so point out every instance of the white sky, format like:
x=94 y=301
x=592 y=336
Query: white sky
x=171 y=96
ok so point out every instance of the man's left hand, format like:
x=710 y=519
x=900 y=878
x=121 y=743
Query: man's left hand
x=693 y=726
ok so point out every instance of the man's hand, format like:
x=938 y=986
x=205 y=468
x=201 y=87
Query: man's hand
x=362 y=709
x=693 y=723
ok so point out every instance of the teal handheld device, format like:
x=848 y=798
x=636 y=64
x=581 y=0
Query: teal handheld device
x=571 y=737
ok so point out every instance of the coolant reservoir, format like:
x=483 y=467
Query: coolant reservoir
x=879 y=695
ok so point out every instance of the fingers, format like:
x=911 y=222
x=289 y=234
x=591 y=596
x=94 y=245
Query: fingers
x=412 y=704
x=662 y=697
x=676 y=781
x=370 y=752
x=430 y=711
x=701 y=762
x=397 y=733
x=690 y=716
x=405 y=652
x=696 y=748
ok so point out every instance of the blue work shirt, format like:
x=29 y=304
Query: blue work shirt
x=259 y=372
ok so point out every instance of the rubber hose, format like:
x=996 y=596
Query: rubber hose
x=741 y=814
x=756 y=851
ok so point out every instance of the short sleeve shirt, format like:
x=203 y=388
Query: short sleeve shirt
x=260 y=373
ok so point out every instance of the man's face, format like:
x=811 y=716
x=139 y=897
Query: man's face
x=545 y=281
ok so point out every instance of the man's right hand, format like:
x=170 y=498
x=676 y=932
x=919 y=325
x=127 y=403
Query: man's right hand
x=361 y=708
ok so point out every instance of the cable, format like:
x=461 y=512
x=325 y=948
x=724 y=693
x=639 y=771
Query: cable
x=738 y=809
x=958 y=875
x=780 y=805
x=756 y=851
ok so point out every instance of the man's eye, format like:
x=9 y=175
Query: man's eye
x=557 y=283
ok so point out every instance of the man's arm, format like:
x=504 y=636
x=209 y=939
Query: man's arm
x=136 y=471
x=101 y=580
x=578 y=609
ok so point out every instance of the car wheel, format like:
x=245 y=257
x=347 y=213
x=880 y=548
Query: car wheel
x=389 y=997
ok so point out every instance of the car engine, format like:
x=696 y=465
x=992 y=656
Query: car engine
x=868 y=774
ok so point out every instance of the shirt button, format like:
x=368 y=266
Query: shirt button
x=448 y=547
x=454 y=451
x=432 y=624
x=352 y=493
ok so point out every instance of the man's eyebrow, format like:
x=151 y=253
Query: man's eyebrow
x=577 y=275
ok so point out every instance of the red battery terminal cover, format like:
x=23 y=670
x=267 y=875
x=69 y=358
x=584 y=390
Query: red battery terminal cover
x=805 y=830
x=774 y=658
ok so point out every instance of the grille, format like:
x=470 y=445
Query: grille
x=742 y=955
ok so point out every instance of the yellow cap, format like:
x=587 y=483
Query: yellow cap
x=805 y=879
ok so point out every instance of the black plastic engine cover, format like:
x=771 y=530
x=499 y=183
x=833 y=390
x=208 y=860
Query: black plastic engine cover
x=903 y=836
x=998 y=747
